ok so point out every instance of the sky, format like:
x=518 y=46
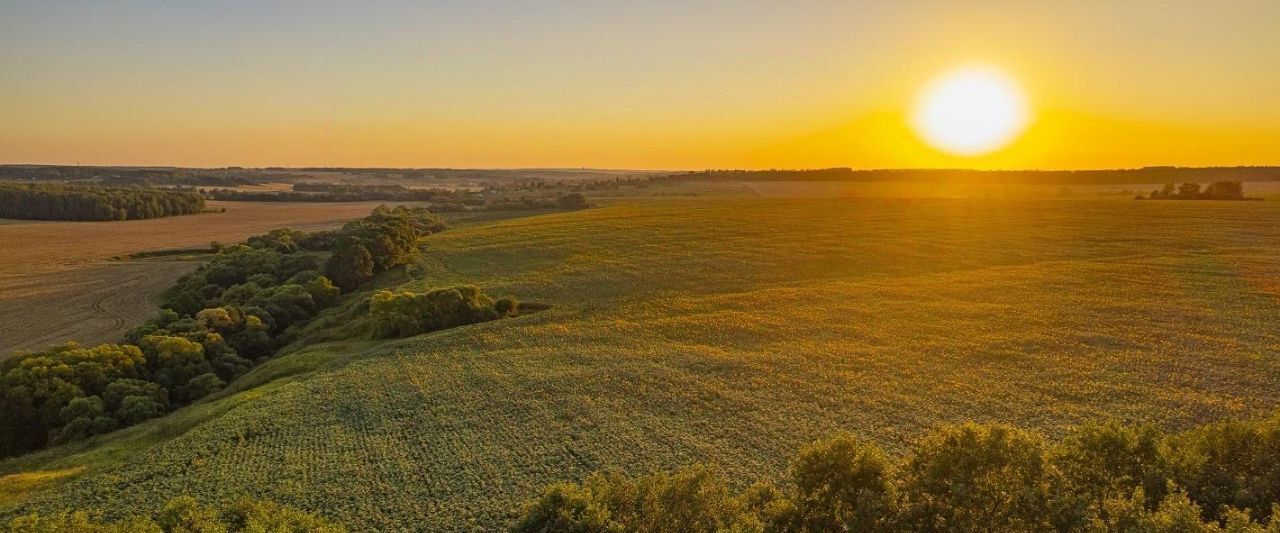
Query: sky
x=613 y=84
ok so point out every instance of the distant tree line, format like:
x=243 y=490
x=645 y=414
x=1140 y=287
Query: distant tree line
x=127 y=176
x=182 y=514
x=583 y=180
x=239 y=308
x=442 y=200
x=577 y=185
x=568 y=202
x=315 y=186
x=1222 y=477
x=324 y=193
x=1218 y=190
x=90 y=202
x=1019 y=177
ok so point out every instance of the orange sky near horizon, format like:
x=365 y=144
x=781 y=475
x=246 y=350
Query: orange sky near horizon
x=663 y=85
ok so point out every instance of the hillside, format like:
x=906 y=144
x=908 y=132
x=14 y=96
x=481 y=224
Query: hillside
x=726 y=331
x=61 y=283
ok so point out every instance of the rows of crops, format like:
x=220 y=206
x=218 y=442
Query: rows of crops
x=733 y=332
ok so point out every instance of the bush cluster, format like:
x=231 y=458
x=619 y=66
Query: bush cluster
x=406 y=313
x=1218 y=190
x=1104 y=477
x=384 y=240
x=569 y=202
x=182 y=515
x=92 y=202
x=217 y=322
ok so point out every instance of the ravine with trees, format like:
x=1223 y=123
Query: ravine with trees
x=233 y=312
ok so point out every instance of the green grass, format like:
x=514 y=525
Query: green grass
x=726 y=331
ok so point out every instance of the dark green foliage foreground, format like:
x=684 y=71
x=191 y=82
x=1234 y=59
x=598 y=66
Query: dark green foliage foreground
x=1108 y=477
x=91 y=202
x=182 y=515
x=238 y=309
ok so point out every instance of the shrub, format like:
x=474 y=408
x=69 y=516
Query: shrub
x=182 y=514
x=406 y=313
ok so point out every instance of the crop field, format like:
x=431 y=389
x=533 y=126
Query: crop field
x=728 y=331
x=955 y=190
x=57 y=282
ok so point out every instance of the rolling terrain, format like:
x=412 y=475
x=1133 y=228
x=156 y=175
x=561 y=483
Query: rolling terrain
x=58 y=281
x=727 y=331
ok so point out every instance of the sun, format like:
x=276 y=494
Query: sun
x=970 y=111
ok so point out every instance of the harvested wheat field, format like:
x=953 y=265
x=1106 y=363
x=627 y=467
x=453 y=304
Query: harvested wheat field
x=60 y=281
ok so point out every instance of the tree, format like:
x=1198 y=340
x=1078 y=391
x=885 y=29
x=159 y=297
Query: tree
x=34 y=389
x=566 y=507
x=83 y=417
x=322 y=290
x=217 y=319
x=253 y=338
x=288 y=304
x=1108 y=460
x=174 y=362
x=1176 y=513
x=695 y=499
x=1225 y=190
x=135 y=409
x=350 y=266
x=1233 y=463
x=572 y=201
x=120 y=390
x=201 y=386
x=973 y=477
x=840 y=485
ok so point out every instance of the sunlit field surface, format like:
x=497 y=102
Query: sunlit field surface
x=727 y=331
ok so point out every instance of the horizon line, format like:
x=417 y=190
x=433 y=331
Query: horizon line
x=641 y=170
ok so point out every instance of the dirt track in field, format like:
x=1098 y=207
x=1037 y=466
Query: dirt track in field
x=59 y=282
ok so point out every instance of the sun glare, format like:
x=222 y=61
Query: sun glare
x=970 y=111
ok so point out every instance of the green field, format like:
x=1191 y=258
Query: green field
x=729 y=331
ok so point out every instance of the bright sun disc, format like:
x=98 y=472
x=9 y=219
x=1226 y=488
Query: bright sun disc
x=971 y=111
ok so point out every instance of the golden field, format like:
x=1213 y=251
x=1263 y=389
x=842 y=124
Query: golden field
x=728 y=331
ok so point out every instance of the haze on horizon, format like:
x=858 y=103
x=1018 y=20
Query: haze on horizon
x=664 y=85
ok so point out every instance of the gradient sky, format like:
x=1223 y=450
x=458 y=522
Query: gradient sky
x=681 y=84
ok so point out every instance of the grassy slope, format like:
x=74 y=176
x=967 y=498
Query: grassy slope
x=728 y=331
